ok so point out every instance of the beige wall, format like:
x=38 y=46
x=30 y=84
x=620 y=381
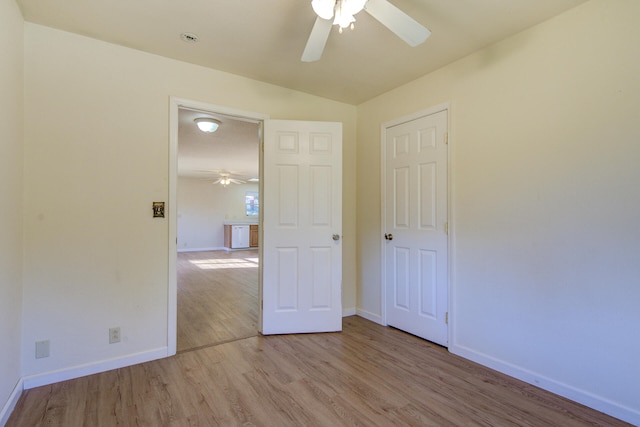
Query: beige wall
x=96 y=159
x=11 y=185
x=545 y=145
x=544 y=149
x=203 y=209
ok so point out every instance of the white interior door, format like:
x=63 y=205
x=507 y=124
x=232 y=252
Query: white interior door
x=302 y=227
x=416 y=245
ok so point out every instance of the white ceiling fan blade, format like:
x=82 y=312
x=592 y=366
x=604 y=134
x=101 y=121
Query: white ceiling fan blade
x=404 y=26
x=317 y=40
x=236 y=181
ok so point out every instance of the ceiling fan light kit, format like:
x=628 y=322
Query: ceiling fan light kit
x=225 y=180
x=207 y=124
x=343 y=11
x=323 y=8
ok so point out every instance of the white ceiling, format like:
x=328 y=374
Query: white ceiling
x=264 y=39
x=232 y=149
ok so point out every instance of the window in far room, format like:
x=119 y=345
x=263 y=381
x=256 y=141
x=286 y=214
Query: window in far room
x=252 y=203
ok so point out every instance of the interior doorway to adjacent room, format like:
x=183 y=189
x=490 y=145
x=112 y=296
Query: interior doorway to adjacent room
x=217 y=286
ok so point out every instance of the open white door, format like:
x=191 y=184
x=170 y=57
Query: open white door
x=302 y=227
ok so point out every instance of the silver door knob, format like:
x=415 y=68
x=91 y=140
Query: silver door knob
x=336 y=237
x=388 y=236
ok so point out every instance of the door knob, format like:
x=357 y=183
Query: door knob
x=336 y=237
x=388 y=236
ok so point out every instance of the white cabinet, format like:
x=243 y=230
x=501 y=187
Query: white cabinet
x=236 y=236
x=239 y=236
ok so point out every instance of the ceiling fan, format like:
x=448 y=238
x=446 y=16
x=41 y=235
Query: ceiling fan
x=225 y=180
x=343 y=11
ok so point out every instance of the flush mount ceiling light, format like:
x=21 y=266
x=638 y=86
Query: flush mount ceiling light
x=207 y=124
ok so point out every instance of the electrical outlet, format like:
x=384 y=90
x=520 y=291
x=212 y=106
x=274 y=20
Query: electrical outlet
x=42 y=349
x=114 y=335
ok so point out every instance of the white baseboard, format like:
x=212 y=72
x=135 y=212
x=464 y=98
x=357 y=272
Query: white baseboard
x=200 y=249
x=51 y=377
x=348 y=311
x=577 y=395
x=9 y=406
x=370 y=316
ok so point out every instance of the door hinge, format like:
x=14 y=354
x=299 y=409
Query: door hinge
x=446 y=228
x=446 y=137
x=446 y=318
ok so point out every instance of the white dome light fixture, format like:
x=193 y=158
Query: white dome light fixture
x=207 y=124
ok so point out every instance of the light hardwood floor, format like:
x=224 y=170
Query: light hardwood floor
x=225 y=374
x=367 y=375
x=217 y=297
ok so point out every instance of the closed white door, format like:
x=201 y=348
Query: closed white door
x=416 y=226
x=302 y=227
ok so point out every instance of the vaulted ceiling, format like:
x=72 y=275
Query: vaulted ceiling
x=264 y=39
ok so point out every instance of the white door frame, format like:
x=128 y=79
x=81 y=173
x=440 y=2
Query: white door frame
x=383 y=145
x=172 y=209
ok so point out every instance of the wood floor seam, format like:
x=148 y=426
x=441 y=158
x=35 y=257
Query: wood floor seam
x=215 y=344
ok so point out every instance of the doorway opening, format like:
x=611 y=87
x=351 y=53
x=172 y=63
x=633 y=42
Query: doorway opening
x=300 y=228
x=214 y=285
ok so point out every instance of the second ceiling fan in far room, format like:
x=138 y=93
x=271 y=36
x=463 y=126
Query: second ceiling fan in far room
x=341 y=13
x=225 y=179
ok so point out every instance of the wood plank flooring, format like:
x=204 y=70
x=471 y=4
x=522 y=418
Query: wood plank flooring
x=217 y=297
x=367 y=375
